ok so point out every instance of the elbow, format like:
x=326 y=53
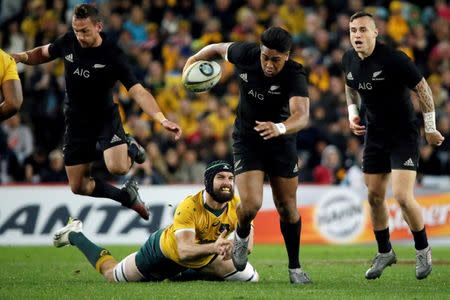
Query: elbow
x=16 y=104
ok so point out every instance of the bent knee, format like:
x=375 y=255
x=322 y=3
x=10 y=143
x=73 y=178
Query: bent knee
x=119 y=168
x=375 y=198
x=78 y=188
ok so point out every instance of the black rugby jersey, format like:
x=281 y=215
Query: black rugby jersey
x=91 y=74
x=263 y=98
x=383 y=80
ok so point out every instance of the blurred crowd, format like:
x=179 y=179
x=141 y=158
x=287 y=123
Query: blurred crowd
x=159 y=35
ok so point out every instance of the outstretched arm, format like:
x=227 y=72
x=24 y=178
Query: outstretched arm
x=299 y=108
x=353 y=102
x=188 y=249
x=426 y=103
x=209 y=52
x=35 y=56
x=148 y=104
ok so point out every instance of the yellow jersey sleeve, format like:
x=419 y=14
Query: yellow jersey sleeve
x=184 y=215
x=192 y=214
x=8 y=69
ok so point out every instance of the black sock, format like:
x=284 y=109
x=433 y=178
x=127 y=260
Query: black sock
x=243 y=232
x=420 y=239
x=103 y=189
x=382 y=236
x=291 y=236
x=92 y=252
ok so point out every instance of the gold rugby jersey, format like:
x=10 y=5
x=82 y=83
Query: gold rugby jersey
x=192 y=213
x=8 y=69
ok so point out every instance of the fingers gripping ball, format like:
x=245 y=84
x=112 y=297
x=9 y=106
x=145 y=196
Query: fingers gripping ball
x=202 y=76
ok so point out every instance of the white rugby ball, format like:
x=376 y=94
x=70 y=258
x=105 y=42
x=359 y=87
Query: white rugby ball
x=201 y=76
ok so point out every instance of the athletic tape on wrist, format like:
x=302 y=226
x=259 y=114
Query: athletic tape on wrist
x=281 y=128
x=429 y=120
x=352 y=111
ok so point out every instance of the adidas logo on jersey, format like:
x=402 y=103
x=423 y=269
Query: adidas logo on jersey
x=409 y=163
x=243 y=77
x=69 y=57
x=115 y=139
x=349 y=76
x=295 y=169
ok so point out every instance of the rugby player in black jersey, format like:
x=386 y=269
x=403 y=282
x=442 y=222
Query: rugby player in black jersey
x=273 y=107
x=92 y=65
x=382 y=78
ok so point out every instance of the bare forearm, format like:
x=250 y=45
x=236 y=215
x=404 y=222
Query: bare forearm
x=296 y=122
x=34 y=56
x=194 y=251
x=146 y=102
x=299 y=118
x=424 y=96
x=352 y=96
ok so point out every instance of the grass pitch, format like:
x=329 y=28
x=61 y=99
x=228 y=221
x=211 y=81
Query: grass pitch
x=337 y=273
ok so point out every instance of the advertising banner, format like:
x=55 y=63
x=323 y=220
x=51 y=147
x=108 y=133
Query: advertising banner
x=29 y=215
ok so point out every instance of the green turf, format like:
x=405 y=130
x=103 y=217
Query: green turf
x=337 y=272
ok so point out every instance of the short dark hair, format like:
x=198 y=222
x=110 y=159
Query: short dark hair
x=84 y=11
x=277 y=38
x=360 y=14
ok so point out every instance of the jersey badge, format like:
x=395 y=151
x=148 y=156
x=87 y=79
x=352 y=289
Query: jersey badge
x=376 y=75
x=243 y=77
x=99 y=66
x=274 y=89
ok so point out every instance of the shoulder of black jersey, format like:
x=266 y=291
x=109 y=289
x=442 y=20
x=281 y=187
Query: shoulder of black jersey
x=390 y=53
x=294 y=67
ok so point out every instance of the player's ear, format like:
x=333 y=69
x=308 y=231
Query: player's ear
x=287 y=55
x=99 y=26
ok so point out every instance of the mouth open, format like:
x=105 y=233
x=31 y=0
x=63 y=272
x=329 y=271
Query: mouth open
x=225 y=189
x=358 y=43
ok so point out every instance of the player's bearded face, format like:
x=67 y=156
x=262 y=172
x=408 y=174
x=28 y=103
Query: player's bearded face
x=87 y=32
x=223 y=190
x=363 y=34
x=272 y=61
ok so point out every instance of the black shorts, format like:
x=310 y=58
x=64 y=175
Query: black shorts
x=276 y=157
x=386 y=151
x=85 y=137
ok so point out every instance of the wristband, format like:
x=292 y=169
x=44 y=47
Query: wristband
x=352 y=111
x=159 y=116
x=281 y=128
x=429 y=120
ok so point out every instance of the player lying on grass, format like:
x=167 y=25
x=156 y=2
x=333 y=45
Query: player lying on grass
x=197 y=238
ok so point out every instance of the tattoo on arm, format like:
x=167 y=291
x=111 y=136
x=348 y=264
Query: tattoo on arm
x=425 y=96
x=352 y=96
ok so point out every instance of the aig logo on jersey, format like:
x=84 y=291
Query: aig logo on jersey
x=257 y=95
x=364 y=86
x=82 y=72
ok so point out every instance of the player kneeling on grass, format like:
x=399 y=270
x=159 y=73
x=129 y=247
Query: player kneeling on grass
x=197 y=238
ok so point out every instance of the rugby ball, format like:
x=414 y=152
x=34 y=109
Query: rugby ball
x=201 y=76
